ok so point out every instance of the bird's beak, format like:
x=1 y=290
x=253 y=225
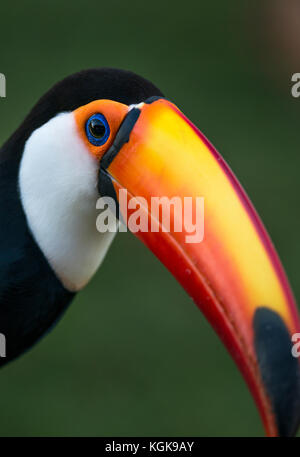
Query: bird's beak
x=223 y=258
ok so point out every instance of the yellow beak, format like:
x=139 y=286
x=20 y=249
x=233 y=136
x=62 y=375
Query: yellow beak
x=232 y=270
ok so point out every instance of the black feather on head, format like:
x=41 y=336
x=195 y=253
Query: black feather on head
x=84 y=87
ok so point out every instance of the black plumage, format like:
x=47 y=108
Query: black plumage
x=31 y=297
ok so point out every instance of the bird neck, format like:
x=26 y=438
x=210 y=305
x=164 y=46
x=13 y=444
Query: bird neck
x=58 y=190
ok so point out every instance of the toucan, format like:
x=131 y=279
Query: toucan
x=103 y=130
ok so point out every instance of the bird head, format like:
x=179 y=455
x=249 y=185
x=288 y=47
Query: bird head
x=101 y=132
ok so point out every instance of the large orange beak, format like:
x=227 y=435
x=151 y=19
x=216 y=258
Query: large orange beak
x=233 y=273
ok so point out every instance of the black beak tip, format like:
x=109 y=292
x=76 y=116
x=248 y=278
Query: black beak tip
x=280 y=370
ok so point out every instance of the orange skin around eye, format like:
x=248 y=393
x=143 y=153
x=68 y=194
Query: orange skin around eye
x=114 y=113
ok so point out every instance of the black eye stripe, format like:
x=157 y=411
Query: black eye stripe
x=121 y=137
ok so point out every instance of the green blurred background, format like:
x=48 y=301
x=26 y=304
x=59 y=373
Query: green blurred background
x=133 y=355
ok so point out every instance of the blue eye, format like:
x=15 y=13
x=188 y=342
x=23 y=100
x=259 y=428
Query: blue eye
x=97 y=129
